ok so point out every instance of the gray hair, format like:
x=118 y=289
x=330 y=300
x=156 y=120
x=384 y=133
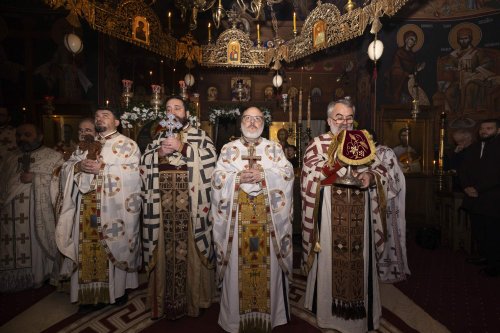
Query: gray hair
x=345 y=101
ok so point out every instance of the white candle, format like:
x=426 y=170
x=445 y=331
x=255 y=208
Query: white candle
x=309 y=112
x=209 y=32
x=294 y=22
x=300 y=107
x=169 y=21
x=258 y=34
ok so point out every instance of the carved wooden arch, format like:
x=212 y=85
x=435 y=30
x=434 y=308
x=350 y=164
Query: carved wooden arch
x=117 y=22
x=215 y=55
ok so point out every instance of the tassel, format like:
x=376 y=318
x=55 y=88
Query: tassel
x=348 y=310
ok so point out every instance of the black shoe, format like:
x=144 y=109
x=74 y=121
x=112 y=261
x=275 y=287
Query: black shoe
x=122 y=300
x=86 y=308
x=479 y=261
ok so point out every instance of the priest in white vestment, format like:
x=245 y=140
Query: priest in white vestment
x=252 y=204
x=98 y=227
x=27 y=225
x=345 y=232
x=176 y=169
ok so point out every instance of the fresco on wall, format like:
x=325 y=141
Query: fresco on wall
x=469 y=76
x=455 y=65
x=448 y=9
x=402 y=76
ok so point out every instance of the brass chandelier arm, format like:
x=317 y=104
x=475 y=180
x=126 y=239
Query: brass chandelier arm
x=323 y=28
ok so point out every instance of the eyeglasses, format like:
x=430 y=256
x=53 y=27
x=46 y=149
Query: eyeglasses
x=255 y=119
x=340 y=119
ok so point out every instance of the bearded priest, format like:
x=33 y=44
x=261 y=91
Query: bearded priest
x=98 y=228
x=349 y=244
x=176 y=169
x=252 y=203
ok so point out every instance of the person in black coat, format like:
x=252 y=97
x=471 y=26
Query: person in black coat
x=463 y=139
x=480 y=179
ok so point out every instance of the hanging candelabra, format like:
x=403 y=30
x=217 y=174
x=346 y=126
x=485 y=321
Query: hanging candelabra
x=49 y=104
x=127 y=93
x=415 y=110
x=156 y=101
x=440 y=166
x=183 y=90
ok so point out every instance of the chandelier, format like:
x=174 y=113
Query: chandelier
x=325 y=26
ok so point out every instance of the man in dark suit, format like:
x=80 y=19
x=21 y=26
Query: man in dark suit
x=480 y=178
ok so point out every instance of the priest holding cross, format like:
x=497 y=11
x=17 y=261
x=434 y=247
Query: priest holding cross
x=252 y=207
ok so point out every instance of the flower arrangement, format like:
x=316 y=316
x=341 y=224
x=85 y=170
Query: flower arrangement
x=141 y=114
x=234 y=113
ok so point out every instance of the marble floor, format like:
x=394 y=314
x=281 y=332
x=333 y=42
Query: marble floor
x=56 y=307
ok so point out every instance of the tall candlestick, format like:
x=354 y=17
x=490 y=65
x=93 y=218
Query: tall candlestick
x=442 y=136
x=290 y=114
x=309 y=112
x=169 y=21
x=294 y=22
x=258 y=34
x=300 y=106
x=161 y=73
x=173 y=81
x=63 y=136
x=209 y=32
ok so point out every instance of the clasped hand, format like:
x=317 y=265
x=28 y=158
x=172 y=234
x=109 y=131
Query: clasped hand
x=26 y=177
x=367 y=179
x=91 y=166
x=471 y=192
x=250 y=176
x=169 y=146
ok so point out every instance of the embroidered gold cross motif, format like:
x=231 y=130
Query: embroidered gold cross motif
x=252 y=202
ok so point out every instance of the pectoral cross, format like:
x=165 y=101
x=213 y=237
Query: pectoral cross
x=170 y=123
x=251 y=157
x=25 y=162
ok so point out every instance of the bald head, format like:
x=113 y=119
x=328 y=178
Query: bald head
x=86 y=127
x=462 y=138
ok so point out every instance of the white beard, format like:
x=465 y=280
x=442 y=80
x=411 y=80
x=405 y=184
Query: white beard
x=337 y=129
x=253 y=135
